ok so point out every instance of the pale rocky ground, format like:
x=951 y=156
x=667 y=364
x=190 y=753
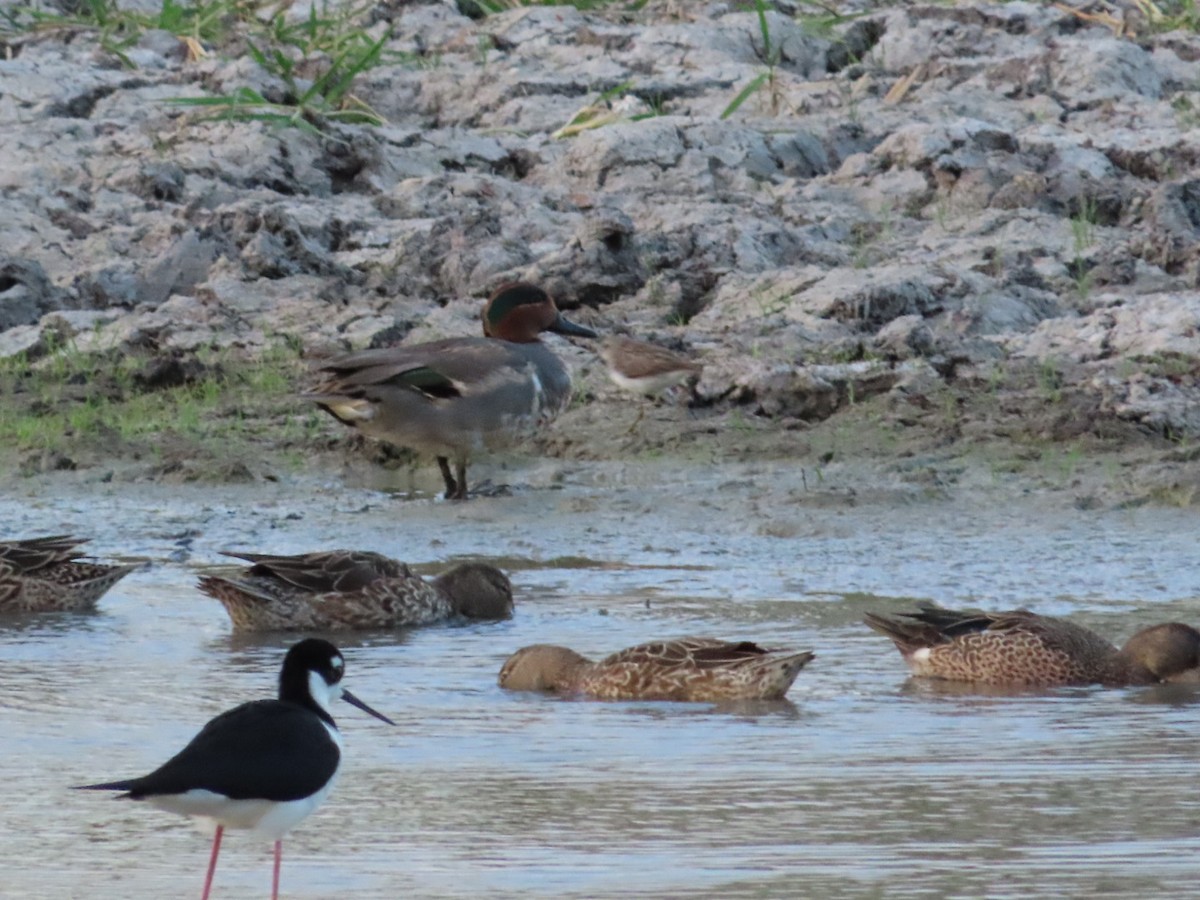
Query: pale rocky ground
x=933 y=231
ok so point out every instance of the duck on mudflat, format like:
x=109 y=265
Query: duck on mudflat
x=457 y=397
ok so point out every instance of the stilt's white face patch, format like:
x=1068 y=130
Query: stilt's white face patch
x=322 y=692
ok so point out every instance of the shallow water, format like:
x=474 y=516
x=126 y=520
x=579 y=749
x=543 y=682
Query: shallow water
x=862 y=784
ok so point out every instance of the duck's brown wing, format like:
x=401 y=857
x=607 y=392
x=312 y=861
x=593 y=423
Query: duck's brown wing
x=27 y=556
x=932 y=625
x=324 y=572
x=694 y=652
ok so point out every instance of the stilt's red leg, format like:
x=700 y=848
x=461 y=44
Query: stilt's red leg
x=275 y=880
x=212 y=863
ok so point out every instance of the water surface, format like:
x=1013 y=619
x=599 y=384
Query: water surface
x=862 y=784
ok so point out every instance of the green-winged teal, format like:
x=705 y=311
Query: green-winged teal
x=644 y=368
x=45 y=574
x=456 y=397
x=1022 y=648
x=344 y=590
x=690 y=669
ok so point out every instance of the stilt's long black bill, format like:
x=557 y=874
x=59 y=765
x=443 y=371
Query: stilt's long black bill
x=354 y=701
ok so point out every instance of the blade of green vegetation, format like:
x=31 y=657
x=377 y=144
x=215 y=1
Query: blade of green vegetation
x=745 y=93
x=765 y=30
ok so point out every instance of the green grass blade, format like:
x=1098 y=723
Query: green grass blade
x=339 y=88
x=744 y=94
x=617 y=91
x=243 y=96
x=763 y=27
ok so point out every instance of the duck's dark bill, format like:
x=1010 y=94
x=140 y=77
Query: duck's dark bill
x=354 y=701
x=563 y=325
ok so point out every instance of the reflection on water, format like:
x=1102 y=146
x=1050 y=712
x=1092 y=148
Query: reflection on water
x=863 y=783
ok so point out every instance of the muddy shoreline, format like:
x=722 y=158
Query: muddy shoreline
x=864 y=455
x=944 y=246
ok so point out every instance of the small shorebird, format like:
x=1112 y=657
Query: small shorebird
x=456 y=397
x=264 y=765
x=343 y=590
x=45 y=574
x=1022 y=648
x=646 y=369
x=689 y=669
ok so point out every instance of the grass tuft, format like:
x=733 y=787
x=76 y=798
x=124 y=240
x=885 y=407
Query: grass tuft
x=218 y=404
x=318 y=59
x=771 y=55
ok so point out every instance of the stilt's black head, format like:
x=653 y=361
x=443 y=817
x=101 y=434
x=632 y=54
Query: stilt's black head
x=311 y=676
x=311 y=655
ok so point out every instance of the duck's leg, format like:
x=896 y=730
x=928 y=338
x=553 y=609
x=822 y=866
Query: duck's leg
x=278 y=861
x=460 y=469
x=452 y=487
x=212 y=862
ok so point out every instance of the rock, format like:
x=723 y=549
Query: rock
x=26 y=294
x=625 y=154
x=1155 y=403
x=935 y=185
x=22 y=339
x=1156 y=326
x=1092 y=68
x=598 y=266
x=1172 y=215
x=904 y=337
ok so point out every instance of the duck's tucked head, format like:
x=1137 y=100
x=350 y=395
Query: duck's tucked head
x=520 y=312
x=1170 y=652
x=477 y=591
x=541 y=667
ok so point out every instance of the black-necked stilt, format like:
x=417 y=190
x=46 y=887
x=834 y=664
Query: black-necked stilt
x=264 y=765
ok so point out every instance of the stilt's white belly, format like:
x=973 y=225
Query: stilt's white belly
x=270 y=818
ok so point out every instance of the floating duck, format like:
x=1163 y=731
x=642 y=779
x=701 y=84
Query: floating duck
x=344 y=590
x=690 y=669
x=1022 y=648
x=45 y=574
